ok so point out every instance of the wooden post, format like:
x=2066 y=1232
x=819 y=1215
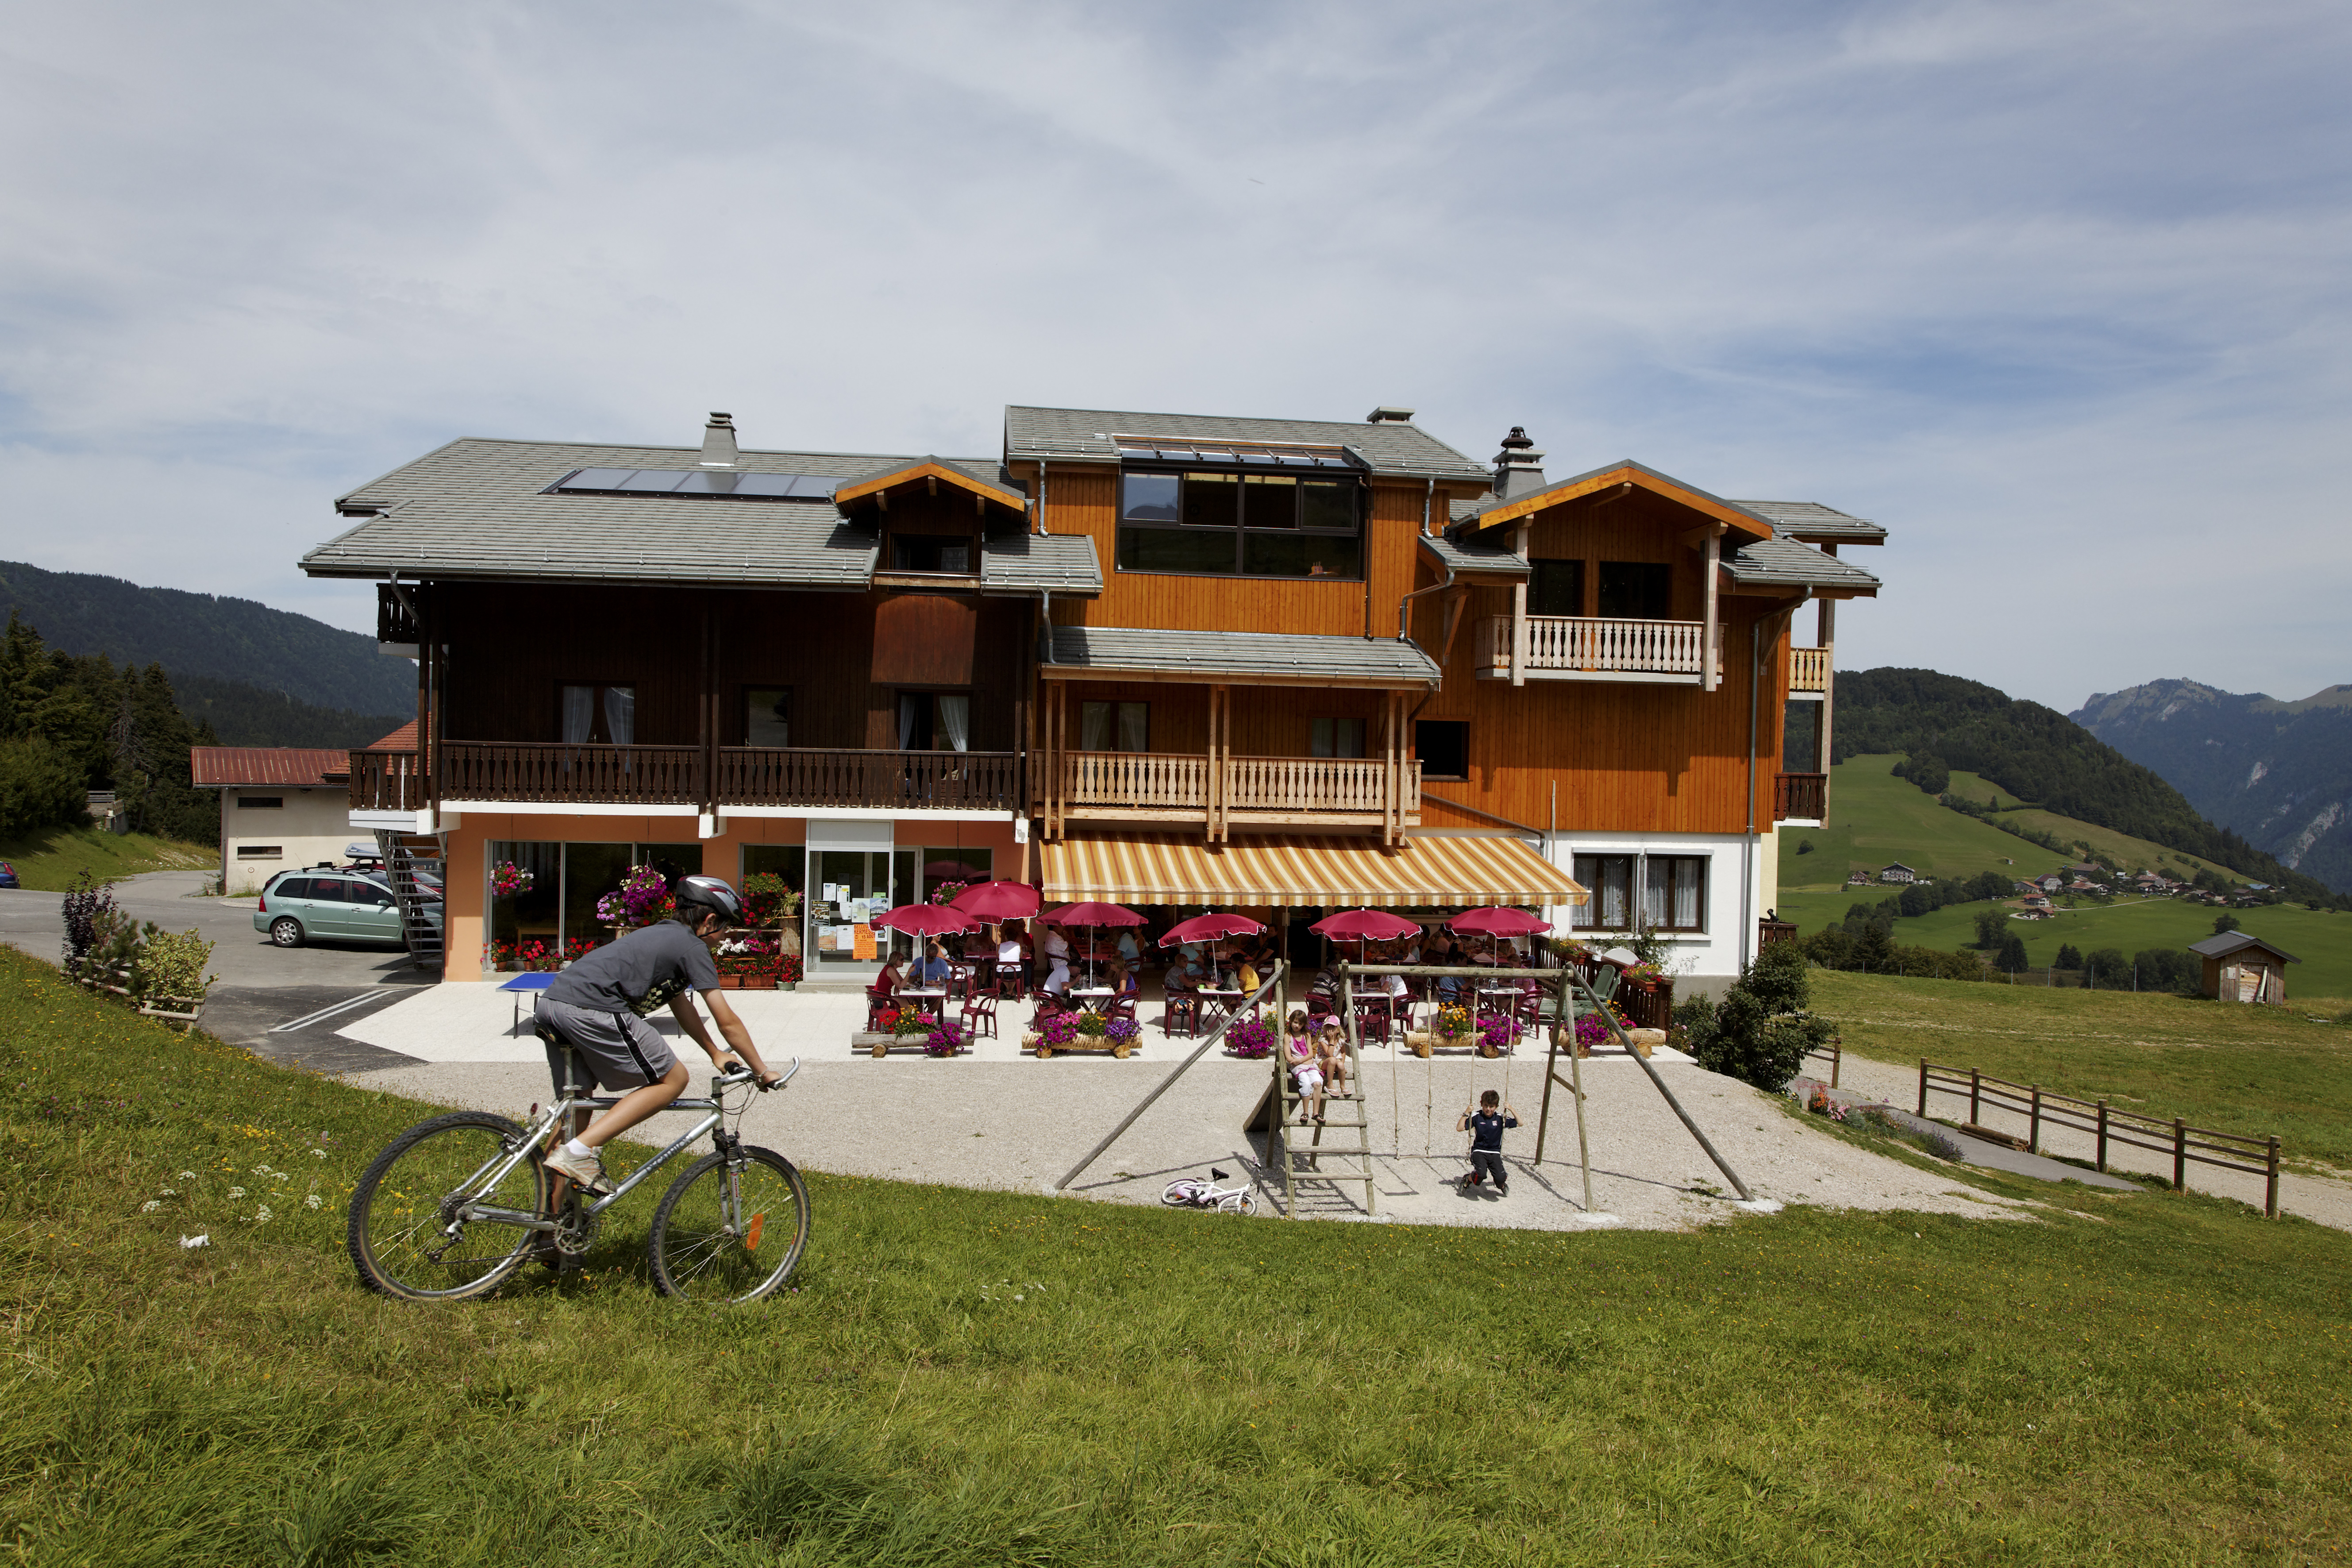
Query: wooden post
x=1519 y=611
x=2270 y=1195
x=2034 y=1127
x=2179 y=1155
x=1710 y=637
x=1975 y=1097
x=2103 y=1137
x=1827 y=637
x=1922 y=1086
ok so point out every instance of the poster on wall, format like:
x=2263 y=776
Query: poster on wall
x=865 y=940
x=843 y=939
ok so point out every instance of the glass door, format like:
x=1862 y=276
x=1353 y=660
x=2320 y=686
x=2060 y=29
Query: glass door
x=846 y=889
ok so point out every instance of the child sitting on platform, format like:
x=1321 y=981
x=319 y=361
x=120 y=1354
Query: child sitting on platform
x=1331 y=1058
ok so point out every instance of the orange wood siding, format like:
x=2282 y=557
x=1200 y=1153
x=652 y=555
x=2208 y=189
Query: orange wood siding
x=1267 y=722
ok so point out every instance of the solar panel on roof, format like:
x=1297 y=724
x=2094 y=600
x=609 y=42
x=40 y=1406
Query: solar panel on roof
x=720 y=483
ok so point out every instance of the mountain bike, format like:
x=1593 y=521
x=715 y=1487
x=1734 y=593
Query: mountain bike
x=456 y=1205
x=1192 y=1192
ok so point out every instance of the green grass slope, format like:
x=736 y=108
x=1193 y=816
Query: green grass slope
x=967 y=1377
x=52 y=858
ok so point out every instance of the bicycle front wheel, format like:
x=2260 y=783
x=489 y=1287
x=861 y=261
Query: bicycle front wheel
x=730 y=1231
x=416 y=1230
x=1238 y=1202
x=1182 y=1193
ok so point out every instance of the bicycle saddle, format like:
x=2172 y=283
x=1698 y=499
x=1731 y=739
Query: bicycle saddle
x=1217 y=1175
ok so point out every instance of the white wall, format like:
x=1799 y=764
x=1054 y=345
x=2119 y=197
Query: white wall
x=1709 y=960
x=313 y=825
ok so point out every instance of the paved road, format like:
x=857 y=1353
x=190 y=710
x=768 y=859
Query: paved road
x=261 y=986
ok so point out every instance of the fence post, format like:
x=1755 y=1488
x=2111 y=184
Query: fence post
x=1922 y=1086
x=2179 y=1155
x=2269 y=1197
x=2034 y=1127
x=2103 y=1137
x=1975 y=1097
x=1837 y=1058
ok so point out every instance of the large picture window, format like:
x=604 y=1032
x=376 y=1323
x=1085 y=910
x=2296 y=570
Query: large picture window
x=1241 y=524
x=1665 y=892
x=1636 y=590
x=1556 y=588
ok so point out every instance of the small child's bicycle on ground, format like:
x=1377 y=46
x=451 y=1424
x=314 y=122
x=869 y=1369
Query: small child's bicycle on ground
x=1192 y=1192
x=458 y=1204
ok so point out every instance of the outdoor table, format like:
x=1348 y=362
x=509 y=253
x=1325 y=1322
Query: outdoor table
x=1088 y=996
x=1223 y=1000
x=539 y=980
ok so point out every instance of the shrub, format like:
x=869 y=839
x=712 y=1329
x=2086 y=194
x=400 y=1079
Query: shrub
x=39 y=787
x=2069 y=957
x=1759 y=1032
x=2169 y=969
x=87 y=904
x=2223 y=924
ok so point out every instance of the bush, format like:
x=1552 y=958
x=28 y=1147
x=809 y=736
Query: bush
x=1929 y=771
x=2069 y=957
x=2107 y=967
x=1761 y=1031
x=147 y=964
x=87 y=907
x=2169 y=969
x=2223 y=924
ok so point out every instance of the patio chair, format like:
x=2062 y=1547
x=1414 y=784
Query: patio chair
x=877 y=1002
x=1374 y=1016
x=1184 y=1008
x=1121 y=1007
x=1011 y=983
x=980 y=1012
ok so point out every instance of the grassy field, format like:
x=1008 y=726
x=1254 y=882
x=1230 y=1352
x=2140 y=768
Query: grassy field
x=2118 y=851
x=970 y=1377
x=51 y=859
x=2253 y=1071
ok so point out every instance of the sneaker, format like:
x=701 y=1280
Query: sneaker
x=587 y=1174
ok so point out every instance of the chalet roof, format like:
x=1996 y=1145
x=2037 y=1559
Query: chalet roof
x=908 y=472
x=1272 y=657
x=1462 y=510
x=1027 y=562
x=1086 y=435
x=477 y=508
x=1770 y=563
x=1458 y=555
x=1815 y=524
x=2231 y=942
x=1494 y=510
x=295 y=767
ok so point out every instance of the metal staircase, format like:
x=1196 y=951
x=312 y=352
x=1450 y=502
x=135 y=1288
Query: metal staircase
x=405 y=854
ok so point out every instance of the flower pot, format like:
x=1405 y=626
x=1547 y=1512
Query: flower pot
x=788 y=984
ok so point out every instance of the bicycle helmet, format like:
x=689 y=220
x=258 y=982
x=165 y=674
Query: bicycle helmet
x=693 y=893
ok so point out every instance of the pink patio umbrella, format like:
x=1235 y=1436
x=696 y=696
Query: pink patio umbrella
x=997 y=900
x=1210 y=928
x=925 y=919
x=1360 y=926
x=1090 y=915
x=1498 y=923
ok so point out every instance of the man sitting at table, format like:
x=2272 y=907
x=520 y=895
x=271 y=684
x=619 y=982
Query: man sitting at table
x=1187 y=973
x=933 y=968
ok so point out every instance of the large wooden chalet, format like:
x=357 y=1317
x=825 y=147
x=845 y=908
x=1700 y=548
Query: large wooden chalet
x=1163 y=659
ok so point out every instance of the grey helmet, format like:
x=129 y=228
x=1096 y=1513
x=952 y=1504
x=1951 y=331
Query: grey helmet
x=693 y=893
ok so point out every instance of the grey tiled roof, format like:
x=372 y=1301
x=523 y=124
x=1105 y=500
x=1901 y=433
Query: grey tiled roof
x=1490 y=503
x=1786 y=563
x=1464 y=510
x=2230 y=941
x=1009 y=493
x=1281 y=655
x=1027 y=562
x=474 y=508
x=1086 y=434
x=1454 y=555
x=1812 y=520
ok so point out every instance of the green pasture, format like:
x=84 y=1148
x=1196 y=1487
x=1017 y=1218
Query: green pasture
x=52 y=858
x=2118 y=851
x=2234 y=1068
x=968 y=1377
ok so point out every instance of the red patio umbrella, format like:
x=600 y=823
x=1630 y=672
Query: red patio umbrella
x=997 y=900
x=925 y=919
x=1364 y=925
x=1091 y=914
x=1210 y=928
x=1498 y=923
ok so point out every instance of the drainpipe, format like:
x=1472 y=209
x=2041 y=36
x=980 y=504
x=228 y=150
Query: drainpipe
x=1427 y=495
x=1041 y=495
x=1747 y=843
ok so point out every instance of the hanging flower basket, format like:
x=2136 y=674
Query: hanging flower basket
x=507 y=880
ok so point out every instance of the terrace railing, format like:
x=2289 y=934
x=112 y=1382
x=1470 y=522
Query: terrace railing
x=1802 y=797
x=592 y=775
x=386 y=780
x=1808 y=669
x=1598 y=647
x=885 y=780
x=1292 y=786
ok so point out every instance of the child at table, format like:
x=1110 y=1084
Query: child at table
x=1305 y=1061
x=1331 y=1058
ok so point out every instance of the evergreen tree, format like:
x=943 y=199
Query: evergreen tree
x=2068 y=957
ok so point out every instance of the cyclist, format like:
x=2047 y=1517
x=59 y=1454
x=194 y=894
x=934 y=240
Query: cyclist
x=597 y=1009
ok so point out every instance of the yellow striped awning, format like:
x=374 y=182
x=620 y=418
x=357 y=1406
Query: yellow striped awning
x=1303 y=871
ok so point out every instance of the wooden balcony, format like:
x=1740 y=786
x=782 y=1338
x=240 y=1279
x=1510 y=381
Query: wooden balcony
x=590 y=775
x=386 y=780
x=885 y=780
x=1575 y=647
x=1802 y=797
x=1808 y=669
x=1307 y=791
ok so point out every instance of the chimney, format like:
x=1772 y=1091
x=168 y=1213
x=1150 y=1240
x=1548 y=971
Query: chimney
x=1519 y=466
x=1387 y=416
x=719 y=442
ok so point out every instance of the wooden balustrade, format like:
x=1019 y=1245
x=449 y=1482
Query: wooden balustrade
x=621 y=775
x=1312 y=784
x=886 y=781
x=1289 y=787
x=1136 y=778
x=1808 y=669
x=386 y=780
x=1804 y=796
x=1597 y=648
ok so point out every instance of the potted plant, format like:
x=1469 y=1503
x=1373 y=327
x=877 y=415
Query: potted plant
x=1497 y=1033
x=788 y=971
x=945 y=1039
x=507 y=879
x=642 y=898
x=1250 y=1036
x=1056 y=1031
x=769 y=902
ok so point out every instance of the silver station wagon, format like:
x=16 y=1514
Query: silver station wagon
x=325 y=903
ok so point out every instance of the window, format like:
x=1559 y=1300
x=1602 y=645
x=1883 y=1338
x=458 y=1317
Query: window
x=1636 y=590
x=1610 y=879
x=1673 y=895
x=1241 y=524
x=1801 y=738
x=1114 y=726
x=260 y=802
x=943 y=864
x=1336 y=738
x=930 y=552
x=934 y=721
x=1444 y=747
x=600 y=715
x=1556 y=588
x=260 y=852
x=768 y=716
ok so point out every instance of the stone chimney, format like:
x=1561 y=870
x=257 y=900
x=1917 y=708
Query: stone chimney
x=719 y=442
x=1519 y=466
x=1387 y=416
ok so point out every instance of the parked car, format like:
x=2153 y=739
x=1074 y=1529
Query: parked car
x=8 y=876
x=321 y=902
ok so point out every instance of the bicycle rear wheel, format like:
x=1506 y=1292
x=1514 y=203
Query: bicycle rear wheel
x=1182 y=1193
x=406 y=1234
x=729 y=1233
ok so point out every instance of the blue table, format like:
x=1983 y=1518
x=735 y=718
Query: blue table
x=521 y=984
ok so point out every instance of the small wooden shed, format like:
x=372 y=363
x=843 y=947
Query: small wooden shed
x=2242 y=968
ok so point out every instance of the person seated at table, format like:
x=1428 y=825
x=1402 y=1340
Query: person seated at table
x=932 y=968
x=1129 y=950
x=1187 y=974
x=1245 y=975
x=1005 y=941
x=893 y=976
x=1057 y=957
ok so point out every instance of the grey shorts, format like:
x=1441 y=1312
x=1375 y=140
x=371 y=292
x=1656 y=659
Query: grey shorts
x=622 y=1050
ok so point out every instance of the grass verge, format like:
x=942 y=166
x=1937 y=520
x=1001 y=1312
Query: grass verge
x=50 y=859
x=979 y=1378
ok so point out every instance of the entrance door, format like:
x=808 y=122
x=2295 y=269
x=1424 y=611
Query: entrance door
x=847 y=888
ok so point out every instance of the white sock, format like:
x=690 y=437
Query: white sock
x=579 y=1151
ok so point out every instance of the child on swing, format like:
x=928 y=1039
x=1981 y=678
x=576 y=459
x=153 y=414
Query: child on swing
x=1485 y=1124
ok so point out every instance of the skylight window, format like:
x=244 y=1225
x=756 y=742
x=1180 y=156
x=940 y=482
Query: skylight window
x=1255 y=454
x=705 y=482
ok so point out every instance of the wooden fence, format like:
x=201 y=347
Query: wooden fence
x=2186 y=1144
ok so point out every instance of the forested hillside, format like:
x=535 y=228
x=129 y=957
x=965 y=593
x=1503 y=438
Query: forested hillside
x=2038 y=755
x=204 y=635
x=2280 y=773
x=70 y=725
x=243 y=715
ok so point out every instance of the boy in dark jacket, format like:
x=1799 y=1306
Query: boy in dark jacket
x=1486 y=1125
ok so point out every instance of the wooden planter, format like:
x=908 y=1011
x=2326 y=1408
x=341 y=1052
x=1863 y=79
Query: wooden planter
x=881 y=1045
x=747 y=981
x=1081 y=1045
x=1422 y=1043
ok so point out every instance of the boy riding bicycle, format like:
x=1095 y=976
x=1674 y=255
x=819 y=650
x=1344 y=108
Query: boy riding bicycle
x=595 y=1011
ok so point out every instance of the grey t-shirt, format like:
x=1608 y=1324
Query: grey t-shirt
x=640 y=971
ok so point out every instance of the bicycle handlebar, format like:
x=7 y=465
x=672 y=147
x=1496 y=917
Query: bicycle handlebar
x=742 y=1073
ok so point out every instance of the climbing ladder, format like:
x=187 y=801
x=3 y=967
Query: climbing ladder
x=1349 y=1119
x=405 y=854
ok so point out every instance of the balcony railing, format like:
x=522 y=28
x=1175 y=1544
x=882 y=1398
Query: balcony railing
x=386 y=780
x=1136 y=779
x=1808 y=669
x=1804 y=797
x=601 y=775
x=1142 y=783
x=1575 y=647
x=1315 y=783
x=887 y=781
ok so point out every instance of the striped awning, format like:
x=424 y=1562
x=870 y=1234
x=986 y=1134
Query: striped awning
x=1325 y=872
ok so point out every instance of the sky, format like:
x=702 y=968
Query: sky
x=2055 y=291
